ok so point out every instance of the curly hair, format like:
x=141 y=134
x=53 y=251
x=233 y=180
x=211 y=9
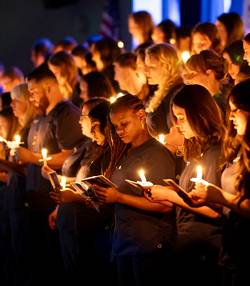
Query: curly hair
x=167 y=56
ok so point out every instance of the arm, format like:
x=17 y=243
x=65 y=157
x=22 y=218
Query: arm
x=166 y=194
x=213 y=194
x=25 y=156
x=112 y=195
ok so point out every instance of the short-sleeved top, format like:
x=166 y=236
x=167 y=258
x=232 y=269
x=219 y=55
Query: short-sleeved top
x=194 y=227
x=159 y=120
x=236 y=229
x=59 y=130
x=138 y=231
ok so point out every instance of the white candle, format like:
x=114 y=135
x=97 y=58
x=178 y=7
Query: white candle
x=63 y=182
x=142 y=176
x=161 y=138
x=199 y=172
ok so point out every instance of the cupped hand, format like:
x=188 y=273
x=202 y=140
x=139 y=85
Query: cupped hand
x=107 y=195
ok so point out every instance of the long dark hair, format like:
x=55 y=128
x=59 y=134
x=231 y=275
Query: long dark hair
x=204 y=117
x=240 y=144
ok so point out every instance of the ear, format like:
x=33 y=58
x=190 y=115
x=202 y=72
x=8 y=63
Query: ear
x=209 y=72
x=141 y=115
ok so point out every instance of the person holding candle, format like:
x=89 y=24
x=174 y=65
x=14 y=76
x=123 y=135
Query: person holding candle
x=58 y=131
x=85 y=233
x=233 y=195
x=143 y=231
x=198 y=228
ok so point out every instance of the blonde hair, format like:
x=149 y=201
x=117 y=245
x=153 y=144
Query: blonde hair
x=21 y=93
x=167 y=56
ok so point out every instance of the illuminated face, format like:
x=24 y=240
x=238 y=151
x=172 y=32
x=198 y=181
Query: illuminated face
x=127 y=79
x=128 y=125
x=96 y=133
x=85 y=122
x=239 y=118
x=222 y=32
x=156 y=73
x=141 y=71
x=246 y=47
x=200 y=42
x=97 y=59
x=233 y=69
x=182 y=122
x=158 y=36
x=57 y=71
x=134 y=29
x=195 y=77
x=37 y=92
x=19 y=107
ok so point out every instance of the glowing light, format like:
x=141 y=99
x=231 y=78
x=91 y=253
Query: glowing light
x=185 y=56
x=142 y=176
x=63 y=182
x=120 y=44
x=45 y=157
x=161 y=138
x=199 y=172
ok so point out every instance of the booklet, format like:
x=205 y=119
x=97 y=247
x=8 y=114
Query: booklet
x=99 y=180
x=140 y=185
x=180 y=191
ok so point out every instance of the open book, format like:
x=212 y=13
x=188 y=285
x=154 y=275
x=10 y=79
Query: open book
x=180 y=191
x=9 y=166
x=99 y=180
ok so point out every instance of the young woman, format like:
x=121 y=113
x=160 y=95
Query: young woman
x=205 y=36
x=85 y=233
x=234 y=195
x=198 y=233
x=238 y=68
x=143 y=231
x=207 y=69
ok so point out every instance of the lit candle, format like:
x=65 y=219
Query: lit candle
x=45 y=157
x=112 y=99
x=142 y=176
x=17 y=139
x=63 y=182
x=199 y=172
x=161 y=138
x=185 y=56
x=13 y=145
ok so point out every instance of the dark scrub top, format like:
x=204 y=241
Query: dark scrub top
x=193 y=227
x=60 y=129
x=138 y=231
x=159 y=120
x=236 y=231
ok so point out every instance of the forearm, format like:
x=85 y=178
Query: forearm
x=142 y=203
x=231 y=201
x=58 y=159
x=173 y=197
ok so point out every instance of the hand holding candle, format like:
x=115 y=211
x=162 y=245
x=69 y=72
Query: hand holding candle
x=198 y=178
x=143 y=181
x=13 y=145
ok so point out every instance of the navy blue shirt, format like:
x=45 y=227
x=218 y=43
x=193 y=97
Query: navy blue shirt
x=139 y=231
x=59 y=130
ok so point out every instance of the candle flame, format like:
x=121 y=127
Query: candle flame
x=63 y=182
x=44 y=153
x=17 y=139
x=185 y=56
x=142 y=176
x=161 y=138
x=199 y=172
